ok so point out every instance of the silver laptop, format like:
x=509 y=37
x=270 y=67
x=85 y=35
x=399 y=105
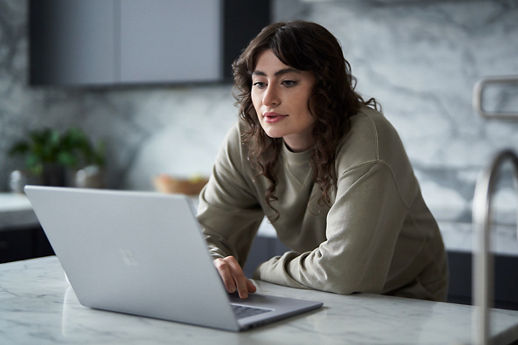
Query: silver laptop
x=143 y=253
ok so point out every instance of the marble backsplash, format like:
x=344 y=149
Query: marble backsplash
x=419 y=59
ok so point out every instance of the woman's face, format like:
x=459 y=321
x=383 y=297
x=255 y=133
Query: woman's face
x=280 y=96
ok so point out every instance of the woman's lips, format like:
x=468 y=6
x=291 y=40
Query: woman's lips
x=272 y=117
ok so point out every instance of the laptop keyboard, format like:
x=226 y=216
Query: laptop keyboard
x=242 y=311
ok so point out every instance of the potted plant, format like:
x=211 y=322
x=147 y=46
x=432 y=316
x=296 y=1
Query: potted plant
x=49 y=153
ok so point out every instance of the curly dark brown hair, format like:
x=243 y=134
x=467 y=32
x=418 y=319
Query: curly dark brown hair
x=310 y=47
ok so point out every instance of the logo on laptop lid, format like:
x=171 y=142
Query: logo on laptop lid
x=128 y=256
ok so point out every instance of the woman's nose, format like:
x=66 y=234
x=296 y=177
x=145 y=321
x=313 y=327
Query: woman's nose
x=271 y=96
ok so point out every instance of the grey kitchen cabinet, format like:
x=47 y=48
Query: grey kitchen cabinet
x=72 y=42
x=107 y=42
x=163 y=40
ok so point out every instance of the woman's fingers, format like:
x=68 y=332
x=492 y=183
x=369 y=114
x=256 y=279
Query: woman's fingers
x=225 y=274
x=251 y=287
x=233 y=276
x=238 y=276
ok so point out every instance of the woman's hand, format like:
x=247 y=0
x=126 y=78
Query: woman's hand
x=233 y=276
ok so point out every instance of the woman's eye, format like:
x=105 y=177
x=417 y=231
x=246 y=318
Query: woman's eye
x=258 y=84
x=289 y=83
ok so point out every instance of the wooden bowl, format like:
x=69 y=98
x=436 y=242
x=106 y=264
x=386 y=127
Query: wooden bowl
x=167 y=184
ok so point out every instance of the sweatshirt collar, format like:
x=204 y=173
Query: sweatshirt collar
x=296 y=157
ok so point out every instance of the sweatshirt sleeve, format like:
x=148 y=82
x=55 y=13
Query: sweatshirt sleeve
x=362 y=228
x=228 y=210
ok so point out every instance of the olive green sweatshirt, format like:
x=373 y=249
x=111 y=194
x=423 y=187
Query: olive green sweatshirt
x=377 y=236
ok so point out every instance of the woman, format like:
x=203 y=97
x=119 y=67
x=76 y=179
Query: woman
x=329 y=172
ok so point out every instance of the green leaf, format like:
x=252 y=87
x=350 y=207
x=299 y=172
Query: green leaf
x=34 y=164
x=67 y=159
x=18 y=148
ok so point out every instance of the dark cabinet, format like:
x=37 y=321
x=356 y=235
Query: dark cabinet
x=100 y=42
x=505 y=290
x=23 y=243
x=262 y=249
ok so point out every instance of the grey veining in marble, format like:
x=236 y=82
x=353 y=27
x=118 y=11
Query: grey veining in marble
x=420 y=59
x=38 y=306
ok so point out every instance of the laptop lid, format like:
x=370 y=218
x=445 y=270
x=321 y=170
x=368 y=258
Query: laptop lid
x=142 y=253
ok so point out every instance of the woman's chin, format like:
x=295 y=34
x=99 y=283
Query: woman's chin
x=273 y=133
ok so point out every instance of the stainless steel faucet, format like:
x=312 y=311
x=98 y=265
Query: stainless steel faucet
x=483 y=263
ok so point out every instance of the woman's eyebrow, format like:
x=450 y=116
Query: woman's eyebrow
x=279 y=72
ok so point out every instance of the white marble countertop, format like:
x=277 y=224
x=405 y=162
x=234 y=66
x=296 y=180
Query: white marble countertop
x=37 y=306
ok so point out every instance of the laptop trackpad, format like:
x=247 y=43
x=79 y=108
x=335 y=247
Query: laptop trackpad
x=270 y=303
